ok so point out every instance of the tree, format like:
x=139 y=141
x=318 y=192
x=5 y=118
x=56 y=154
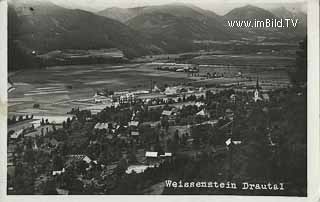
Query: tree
x=122 y=167
x=50 y=188
x=75 y=125
x=57 y=162
x=176 y=137
x=24 y=180
x=299 y=75
x=68 y=122
x=64 y=125
x=36 y=106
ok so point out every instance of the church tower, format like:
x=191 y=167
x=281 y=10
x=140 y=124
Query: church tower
x=256 y=95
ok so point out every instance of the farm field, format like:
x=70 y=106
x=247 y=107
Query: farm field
x=58 y=89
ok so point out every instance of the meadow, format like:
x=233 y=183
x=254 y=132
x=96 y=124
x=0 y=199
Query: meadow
x=58 y=89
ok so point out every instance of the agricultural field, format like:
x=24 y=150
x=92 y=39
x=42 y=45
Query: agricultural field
x=58 y=89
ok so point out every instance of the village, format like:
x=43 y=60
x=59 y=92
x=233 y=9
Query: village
x=135 y=132
x=159 y=98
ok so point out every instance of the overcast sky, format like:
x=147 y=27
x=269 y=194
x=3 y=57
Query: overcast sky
x=219 y=6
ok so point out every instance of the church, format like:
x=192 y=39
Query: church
x=256 y=95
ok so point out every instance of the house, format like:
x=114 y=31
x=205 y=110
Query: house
x=133 y=123
x=101 y=126
x=139 y=92
x=171 y=115
x=237 y=142
x=151 y=154
x=203 y=112
x=228 y=141
x=17 y=134
x=171 y=91
x=101 y=99
x=265 y=97
x=135 y=133
x=233 y=98
x=79 y=157
x=138 y=168
x=115 y=104
x=166 y=154
x=58 y=172
x=156 y=89
x=166 y=113
x=199 y=104
x=127 y=98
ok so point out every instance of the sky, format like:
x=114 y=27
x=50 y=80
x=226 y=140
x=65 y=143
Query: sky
x=219 y=6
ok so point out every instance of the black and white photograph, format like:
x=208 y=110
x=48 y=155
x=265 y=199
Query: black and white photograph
x=167 y=97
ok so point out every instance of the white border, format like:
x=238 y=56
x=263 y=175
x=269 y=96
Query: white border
x=313 y=126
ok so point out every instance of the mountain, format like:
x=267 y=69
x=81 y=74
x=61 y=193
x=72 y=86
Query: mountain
x=176 y=9
x=253 y=13
x=119 y=14
x=249 y=12
x=282 y=12
x=175 y=27
x=39 y=26
x=18 y=58
x=43 y=26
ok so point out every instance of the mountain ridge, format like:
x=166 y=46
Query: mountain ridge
x=41 y=26
x=177 y=9
x=46 y=27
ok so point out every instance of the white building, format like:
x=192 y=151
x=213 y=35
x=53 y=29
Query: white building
x=256 y=94
x=138 y=168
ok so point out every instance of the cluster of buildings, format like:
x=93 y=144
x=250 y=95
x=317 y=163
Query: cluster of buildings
x=155 y=96
x=175 y=67
x=130 y=131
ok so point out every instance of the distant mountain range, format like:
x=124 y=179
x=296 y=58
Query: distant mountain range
x=197 y=23
x=43 y=26
x=282 y=12
x=174 y=27
x=253 y=13
x=249 y=12
x=176 y=9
